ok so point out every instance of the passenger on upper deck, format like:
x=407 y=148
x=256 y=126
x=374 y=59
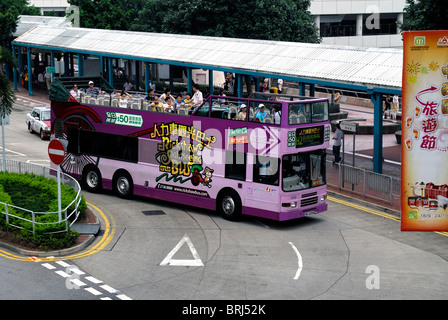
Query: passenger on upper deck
x=178 y=103
x=151 y=95
x=261 y=114
x=242 y=114
x=123 y=99
x=165 y=95
x=92 y=90
x=75 y=92
x=157 y=105
x=187 y=100
x=168 y=105
x=197 y=96
x=277 y=114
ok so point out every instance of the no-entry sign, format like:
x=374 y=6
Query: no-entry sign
x=56 y=151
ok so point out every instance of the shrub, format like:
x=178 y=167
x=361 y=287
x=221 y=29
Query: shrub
x=38 y=194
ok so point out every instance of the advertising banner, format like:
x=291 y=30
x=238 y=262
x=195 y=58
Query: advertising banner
x=424 y=147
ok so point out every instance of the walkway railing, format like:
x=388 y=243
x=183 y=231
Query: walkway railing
x=366 y=183
x=69 y=213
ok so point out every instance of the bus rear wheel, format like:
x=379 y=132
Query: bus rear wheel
x=91 y=178
x=123 y=184
x=229 y=205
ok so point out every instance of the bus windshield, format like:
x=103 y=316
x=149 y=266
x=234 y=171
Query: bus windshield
x=308 y=112
x=303 y=170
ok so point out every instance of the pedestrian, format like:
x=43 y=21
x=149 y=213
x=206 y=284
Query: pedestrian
x=47 y=77
x=387 y=103
x=280 y=86
x=338 y=136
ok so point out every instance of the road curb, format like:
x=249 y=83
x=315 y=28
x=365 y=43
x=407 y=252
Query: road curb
x=363 y=203
x=55 y=253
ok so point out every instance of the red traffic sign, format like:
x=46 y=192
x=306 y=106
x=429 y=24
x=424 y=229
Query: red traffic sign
x=56 y=151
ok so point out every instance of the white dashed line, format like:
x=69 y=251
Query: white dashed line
x=75 y=276
x=94 y=280
x=93 y=291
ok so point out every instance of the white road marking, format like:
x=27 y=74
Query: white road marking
x=196 y=262
x=77 y=281
x=48 y=266
x=93 y=291
x=299 y=257
x=108 y=288
x=94 y=280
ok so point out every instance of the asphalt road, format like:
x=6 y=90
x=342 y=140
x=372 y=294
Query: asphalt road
x=149 y=250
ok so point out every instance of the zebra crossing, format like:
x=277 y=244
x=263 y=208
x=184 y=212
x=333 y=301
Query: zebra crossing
x=76 y=279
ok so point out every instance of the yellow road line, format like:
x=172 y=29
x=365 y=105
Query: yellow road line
x=105 y=239
x=376 y=212
x=363 y=208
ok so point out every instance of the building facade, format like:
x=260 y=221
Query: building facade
x=58 y=6
x=363 y=23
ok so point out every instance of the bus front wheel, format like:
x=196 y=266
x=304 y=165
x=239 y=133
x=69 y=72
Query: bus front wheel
x=229 y=205
x=123 y=184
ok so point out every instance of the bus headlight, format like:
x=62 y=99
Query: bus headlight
x=289 y=204
x=322 y=198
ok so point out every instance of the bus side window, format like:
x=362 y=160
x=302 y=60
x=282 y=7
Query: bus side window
x=266 y=170
x=235 y=165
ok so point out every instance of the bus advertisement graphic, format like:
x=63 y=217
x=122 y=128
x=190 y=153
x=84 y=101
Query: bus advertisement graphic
x=424 y=148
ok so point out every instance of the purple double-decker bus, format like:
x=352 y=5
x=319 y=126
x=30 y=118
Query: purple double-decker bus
x=238 y=156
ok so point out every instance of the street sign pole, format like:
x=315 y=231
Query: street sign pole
x=59 y=193
x=56 y=151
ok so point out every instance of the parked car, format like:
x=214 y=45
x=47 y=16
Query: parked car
x=39 y=121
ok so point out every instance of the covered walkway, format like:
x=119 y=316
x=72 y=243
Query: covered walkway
x=377 y=72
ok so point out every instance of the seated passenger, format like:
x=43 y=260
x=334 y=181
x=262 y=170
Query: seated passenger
x=261 y=114
x=157 y=105
x=165 y=95
x=187 y=101
x=178 y=103
x=75 y=92
x=242 y=114
x=168 y=105
x=123 y=99
x=151 y=95
x=92 y=90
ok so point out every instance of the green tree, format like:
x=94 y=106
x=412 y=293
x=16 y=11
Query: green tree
x=288 y=20
x=107 y=14
x=425 y=15
x=10 y=10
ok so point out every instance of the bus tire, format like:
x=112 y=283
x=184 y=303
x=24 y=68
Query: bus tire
x=91 y=178
x=229 y=205
x=123 y=184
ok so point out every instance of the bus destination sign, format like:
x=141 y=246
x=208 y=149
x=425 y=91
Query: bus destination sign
x=311 y=136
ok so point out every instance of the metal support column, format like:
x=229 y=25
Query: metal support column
x=14 y=69
x=377 y=99
x=301 y=89
x=210 y=81
x=110 y=71
x=19 y=52
x=190 y=80
x=147 y=75
x=30 y=72
x=240 y=85
x=80 y=65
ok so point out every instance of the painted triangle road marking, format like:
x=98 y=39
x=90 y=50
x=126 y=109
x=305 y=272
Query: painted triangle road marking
x=196 y=262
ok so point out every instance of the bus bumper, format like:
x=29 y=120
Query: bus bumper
x=287 y=215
